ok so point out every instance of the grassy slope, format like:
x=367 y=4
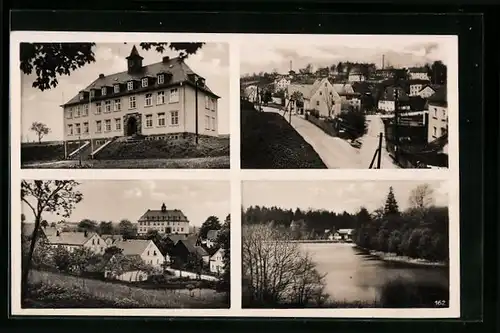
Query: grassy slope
x=269 y=142
x=44 y=152
x=51 y=290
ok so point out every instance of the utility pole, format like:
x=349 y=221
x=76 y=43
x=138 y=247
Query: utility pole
x=196 y=109
x=79 y=150
x=381 y=135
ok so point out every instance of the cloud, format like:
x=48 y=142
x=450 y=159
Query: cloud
x=133 y=193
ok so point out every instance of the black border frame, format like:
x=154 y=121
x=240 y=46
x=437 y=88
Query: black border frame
x=252 y=19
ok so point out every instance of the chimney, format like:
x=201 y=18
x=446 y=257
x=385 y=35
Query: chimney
x=166 y=59
x=101 y=76
x=383 y=61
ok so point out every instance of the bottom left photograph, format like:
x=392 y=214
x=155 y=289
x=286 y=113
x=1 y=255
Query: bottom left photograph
x=125 y=244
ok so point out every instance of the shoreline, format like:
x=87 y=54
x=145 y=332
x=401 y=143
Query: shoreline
x=394 y=258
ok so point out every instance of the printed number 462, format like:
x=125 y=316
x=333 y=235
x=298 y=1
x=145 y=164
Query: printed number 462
x=440 y=303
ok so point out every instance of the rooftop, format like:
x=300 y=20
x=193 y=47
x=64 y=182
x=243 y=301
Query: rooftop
x=69 y=238
x=164 y=214
x=133 y=246
x=439 y=98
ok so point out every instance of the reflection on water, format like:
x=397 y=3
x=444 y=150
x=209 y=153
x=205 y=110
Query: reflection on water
x=353 y=275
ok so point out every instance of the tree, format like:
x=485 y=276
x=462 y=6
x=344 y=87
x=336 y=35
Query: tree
x=330 y=101
x=438 y=72
x=50 y=60
x=106 y=228
x=212 y=223
x=62 y=259
x=40 y=129
x=81 y=258
x=52 y=196
x=127 y=229
x=44 y=224
x=87 y=225
x=391 y=205
x=421 y=197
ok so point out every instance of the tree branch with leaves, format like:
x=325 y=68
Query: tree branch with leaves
x=40 y=129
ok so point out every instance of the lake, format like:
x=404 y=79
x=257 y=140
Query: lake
x=352 y=275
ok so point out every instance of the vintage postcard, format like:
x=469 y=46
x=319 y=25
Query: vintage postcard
x=157 y=244
x=124 y=104
x=348 y=102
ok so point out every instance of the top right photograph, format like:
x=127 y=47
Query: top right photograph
x=348 y=102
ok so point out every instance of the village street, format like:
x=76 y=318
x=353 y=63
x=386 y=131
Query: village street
x=370 y=143
x=337 y=153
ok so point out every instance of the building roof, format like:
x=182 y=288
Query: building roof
x=433 y=86
x=304 y=89
x=179 y=70
x=28 y=228
x=212 y=234
x=193 y=248
x=69 y=238
x=167 y=214
x=343 y=88
x=177 y=237
x=133 y=246
x=220 y=250
x=115 y=238
x=417 y=70
x=345 y=231
x=361 y=87
x=439 y=98
x=417 y=81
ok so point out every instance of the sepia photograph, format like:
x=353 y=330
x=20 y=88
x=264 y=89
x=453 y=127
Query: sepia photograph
x=345 y=244
x=107 y=244
x=346 y=102
x=124 y=105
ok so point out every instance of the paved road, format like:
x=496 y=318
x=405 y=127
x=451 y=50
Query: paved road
x=336 y=153
x=370 y=143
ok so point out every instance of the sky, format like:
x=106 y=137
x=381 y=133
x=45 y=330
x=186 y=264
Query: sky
x=211 y=62
x=338 y=196
x=399 y=51
x=113 y=200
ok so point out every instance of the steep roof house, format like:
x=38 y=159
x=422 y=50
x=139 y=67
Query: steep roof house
x=145 y=249
x=184 y=248
x=72 y=240
x=165 y=221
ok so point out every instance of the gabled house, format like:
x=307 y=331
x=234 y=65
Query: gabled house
x=418 y=73
x=217 y=262
x=355 y=75
x=73 y=240
x=438 y=114
x=345 y=234
x=165 y=221
x=145 y=249
x=428 y=90
x=212 y=238
x=111 y=240
x=183 y=249
x=281 y=83
x=251 y=93
x=416 y=86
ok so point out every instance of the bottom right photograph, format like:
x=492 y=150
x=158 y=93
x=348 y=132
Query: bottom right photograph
x=345 y=244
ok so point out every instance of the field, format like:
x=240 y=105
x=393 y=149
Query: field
x=269 y=142
x=219 y=162
x=53 y=290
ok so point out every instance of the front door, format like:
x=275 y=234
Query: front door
x=131 y=126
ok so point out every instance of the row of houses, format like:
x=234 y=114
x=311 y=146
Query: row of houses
x=144 y=249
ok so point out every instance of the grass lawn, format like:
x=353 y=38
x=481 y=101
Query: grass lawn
x=269 y=142
x=52 y=290
x=219 y=162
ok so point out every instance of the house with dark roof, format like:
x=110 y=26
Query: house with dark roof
x=73 y=240
x=165 y=221
x=438 y=115
x=416 y=86
x=428 y=90
x=320 y=96
x=155 y=101
x=212 y=238
x=144 y=248
x=355 y=75
x=184 y=249
x=418 y=73
x=387 y=101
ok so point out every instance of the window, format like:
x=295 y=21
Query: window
x=98 y=241
x=161 y=79
x=118 y=105
x=92 y=93
x=103 y=91
x=117 y=88
x=174 y=95
x=118 y=124
x=149 y=121
x=207 y=122
x=98 y=125
x=320 y=93
x=77 y=128
x=434 y=132
x=317 y=103
x=70 y=129
x=435 y=112
x=85 y=128
x=161 y=119
x=154 y=253
x=93 y=242
x=213 y=123
x=326 y=84
x=77 y=111
x=214 y=104
x=85 y=112
x=107 y=107
x=207 y=102
x=107 y=125
x=97 y=108
x=145 y=82
x=444 y=114
x=149 y=100
x=131 y=102
x=174 y=118
x=69 y=114
x=130 y=85
x=160 y=98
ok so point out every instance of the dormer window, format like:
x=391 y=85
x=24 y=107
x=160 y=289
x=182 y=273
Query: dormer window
x=117 y=88
x=161 y=79
x=103 y=91
x=144 y=82
x=130 y=85
x=81 y=96
x=92 y=93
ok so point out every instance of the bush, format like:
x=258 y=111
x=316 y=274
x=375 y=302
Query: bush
x=353 y=122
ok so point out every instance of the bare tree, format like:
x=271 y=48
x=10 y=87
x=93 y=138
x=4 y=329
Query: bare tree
x=330 y=101
x=40 y=129
x=53 y=196
x=421 y=197
x=275 y=270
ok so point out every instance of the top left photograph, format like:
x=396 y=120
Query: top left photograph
x=125 y=105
